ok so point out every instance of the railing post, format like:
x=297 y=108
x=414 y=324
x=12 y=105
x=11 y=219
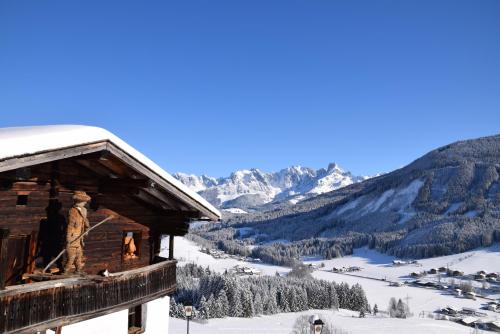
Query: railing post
x=4 y=239
x=171 y=247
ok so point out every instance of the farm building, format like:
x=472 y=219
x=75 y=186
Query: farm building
x=83 y=191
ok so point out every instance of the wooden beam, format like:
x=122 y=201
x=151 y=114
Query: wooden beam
x=166 y=199
x=151 y=200
x=122 y=185
x=94 y=167
x=4 y=238
x=171 y=247
x=51 y=155
x=115 y=165
x=141 y=168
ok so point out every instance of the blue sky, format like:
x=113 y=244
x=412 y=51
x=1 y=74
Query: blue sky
x=214 y=86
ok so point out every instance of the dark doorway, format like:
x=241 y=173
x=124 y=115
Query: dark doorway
x=137 y=319
x=51 y=234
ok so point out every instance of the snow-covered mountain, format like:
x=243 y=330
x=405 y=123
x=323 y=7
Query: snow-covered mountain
x=249 y=189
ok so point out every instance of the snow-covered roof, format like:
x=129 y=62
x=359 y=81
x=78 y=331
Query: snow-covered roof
x=22 y=141
x=469 y=320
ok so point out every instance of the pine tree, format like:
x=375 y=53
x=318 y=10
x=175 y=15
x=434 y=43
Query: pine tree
x=392 y=307
x=402 y=309
x=204 y=312
x=333 y=298
x=224 y=304
x=375 y=309
x=213 y=307
x=176 y=310
x=236 y=307
x=343 y=293
x=258 y=305
x=270 y=306
x=358 y=298
x=247 y=304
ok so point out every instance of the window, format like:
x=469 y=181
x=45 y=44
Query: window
x=137 y=319
x=22 y=200
x=131 y=245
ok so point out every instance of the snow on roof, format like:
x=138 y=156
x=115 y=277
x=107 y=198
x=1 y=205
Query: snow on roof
x=469 y=320
x=18 y=141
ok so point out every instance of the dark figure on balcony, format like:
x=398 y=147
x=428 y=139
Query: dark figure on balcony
x=77 y=224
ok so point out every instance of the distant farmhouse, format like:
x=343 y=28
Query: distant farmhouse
x=83 y=191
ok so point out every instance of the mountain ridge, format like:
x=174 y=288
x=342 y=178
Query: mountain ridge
x=444 y=202
x=250 y=189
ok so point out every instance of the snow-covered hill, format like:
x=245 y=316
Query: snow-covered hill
x=445 y=202
x=252 y=188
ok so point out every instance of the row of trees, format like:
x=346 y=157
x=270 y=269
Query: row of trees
x=215 y=295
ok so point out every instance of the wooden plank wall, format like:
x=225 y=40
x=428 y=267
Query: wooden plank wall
x=103 y=247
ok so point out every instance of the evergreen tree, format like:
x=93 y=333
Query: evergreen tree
x=176 y=310
x=213 y=307
x=392 y=309
x=258 y=305
x=270 y=306
x=223 y=304
x=333 y=298
x=375 y=309
x=402 y=309
x=247 y=304
x=236 y=309
x=358 y=298
x=343 y=293
x=204 y=312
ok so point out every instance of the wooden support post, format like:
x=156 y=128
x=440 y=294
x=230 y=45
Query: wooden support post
x=171 y=247
x=155 y=244
x=4 y=239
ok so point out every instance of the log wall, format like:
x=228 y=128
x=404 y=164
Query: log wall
x=44 y=222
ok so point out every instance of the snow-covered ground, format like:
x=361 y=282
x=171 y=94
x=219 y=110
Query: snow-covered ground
x=346 y=320
x=379 y=266
x=188 y=252
x=374 y=265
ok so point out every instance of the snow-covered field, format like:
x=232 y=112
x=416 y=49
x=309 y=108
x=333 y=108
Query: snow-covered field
x=346 y=320
x=188 y=252
x=374 y=265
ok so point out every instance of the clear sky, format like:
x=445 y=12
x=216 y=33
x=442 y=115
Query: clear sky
x=214 y=86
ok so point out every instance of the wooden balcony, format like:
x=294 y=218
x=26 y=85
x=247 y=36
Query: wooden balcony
x=38 y=306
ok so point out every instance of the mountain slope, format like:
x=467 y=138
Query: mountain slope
x=250 y=189
x=444 y=202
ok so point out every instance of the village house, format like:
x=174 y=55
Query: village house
x=84 y=191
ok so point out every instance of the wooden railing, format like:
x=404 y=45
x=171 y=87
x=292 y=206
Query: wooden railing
x=39 y=306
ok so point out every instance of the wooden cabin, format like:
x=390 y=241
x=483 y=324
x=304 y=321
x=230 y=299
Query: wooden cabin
x=40 y=170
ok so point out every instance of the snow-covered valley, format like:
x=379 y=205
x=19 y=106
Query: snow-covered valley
x=374 y=267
